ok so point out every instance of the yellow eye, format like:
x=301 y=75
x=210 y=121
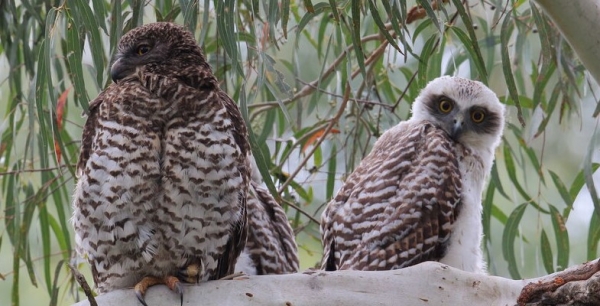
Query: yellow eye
x=477 y=116
x=143 y=49
x=445 y=106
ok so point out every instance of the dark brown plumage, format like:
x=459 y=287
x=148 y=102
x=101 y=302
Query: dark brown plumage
x=164 y=168
x=271 y=248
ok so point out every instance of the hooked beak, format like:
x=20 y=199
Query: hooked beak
x=119 y=70
x=457 y=126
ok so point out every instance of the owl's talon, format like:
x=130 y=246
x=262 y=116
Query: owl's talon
x=140 y=297
x=175 y=285
x=143 y=285
x=171 y=282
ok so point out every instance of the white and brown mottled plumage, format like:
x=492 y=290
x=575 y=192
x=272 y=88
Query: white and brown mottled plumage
x=417 y=195
x=164 y=168
x=271 y=247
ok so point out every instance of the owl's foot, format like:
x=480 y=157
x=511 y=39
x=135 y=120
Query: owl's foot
x=190 y=274
x=171 y=282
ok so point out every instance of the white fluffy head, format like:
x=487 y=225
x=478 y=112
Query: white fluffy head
x=467 y=110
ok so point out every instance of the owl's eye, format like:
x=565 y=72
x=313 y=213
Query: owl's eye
x=142 y=49
x=477 y=116
x=445 y=106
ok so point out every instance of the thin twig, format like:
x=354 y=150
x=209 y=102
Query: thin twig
x=361 y=101
x=300 y=210
x=313 y=85
x=84 y=285
x=332 y=123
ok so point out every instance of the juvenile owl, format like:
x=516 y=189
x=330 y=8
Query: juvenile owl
x=417 y=196
x=163 y=173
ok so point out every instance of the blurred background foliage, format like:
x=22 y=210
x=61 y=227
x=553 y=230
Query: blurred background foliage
x=317 y=82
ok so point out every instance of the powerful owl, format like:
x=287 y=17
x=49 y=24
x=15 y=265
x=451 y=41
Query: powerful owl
x=270 y=248
x=417 y=195
x=164 y=168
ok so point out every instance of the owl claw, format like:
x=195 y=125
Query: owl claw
x=175 y=285
x=180 y=291
x=140 y=297
x=171 y=282
x=141 y=287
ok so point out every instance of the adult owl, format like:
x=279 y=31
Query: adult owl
x=164 y=171
x=271 y=247
x=417 y=195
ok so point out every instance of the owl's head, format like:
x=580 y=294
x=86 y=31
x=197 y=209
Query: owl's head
x=467 y=110
x=163 y=46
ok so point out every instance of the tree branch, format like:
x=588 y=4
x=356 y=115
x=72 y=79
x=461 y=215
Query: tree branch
x=428 y=283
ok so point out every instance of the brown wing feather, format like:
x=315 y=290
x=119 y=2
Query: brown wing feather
x=237 y=241
x=271 y=243
x=89 y=130
x=235 y=244
x=398 y=207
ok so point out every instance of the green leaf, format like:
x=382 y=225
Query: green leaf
x=260 y=153
x=301 y=191
x=92 y=27
x=381 y=26
x=562 y=189
x=285 y=17
x=26 y=222
x=55 y=283
x=426 y=53
x=472 y=49
x=74 y=44
x=431 y=14
x=478 y=58
x=512 y=172
x=580 y=180
x=309 y=6
x=318 y=9
x=508 y=239
x=549 y=110
x=505 y=34
x=593 y=237
x=225 y=25
x=334 y=10
x=562 y=239
x=190 y=13
x=499 y=215
x=318 y=158
x=358 y=49
x=116 y=24
x=100 y=14
x=546 y=253
x=488 y=203
x=589 y=172
x=331 y=172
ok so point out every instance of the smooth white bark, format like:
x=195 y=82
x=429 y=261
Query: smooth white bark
x=429 y=283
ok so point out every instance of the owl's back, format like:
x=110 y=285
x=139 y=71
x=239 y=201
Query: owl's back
x=397 y=208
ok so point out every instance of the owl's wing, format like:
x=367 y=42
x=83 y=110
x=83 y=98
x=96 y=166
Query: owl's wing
x=398 y=207
x=271 y=245
x=237 y=241
x=89 y=129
